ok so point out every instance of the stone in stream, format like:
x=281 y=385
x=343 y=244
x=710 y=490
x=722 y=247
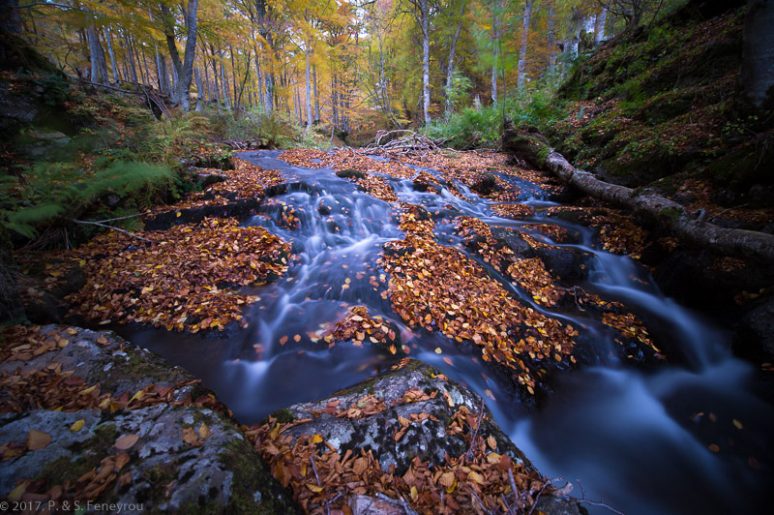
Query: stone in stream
x=402 y=440
x=147 y=435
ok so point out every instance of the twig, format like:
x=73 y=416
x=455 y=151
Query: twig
x=314 y=469
x=112 y=219
x=112 y=228
x=513 y=488
x=469 y=454
x=601 y=505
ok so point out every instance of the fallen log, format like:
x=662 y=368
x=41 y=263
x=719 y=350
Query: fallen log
x=535 y=150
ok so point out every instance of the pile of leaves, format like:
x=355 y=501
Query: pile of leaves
x=342 y=159
x=323 y=477
x=358 y=326
x=177 y=279
x=375 y=185
x=468 y=167
x=512 y=210
x=439 y=288
x=529 y=273
x=617 y=232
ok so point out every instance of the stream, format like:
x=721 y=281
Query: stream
x=688 y=436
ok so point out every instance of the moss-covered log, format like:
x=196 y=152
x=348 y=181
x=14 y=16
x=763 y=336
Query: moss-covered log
x=669 y=214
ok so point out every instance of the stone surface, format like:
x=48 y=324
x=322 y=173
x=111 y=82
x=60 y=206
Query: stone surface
x=187 y=456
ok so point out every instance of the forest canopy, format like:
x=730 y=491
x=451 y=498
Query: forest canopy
x=342 y=63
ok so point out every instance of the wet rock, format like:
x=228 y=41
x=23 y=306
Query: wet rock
x=401 y=417
x=207 y=177
x=428 y=440
x=570 y=265
x=514 y=241
x=485 y=185
x=240 y=208
x=181 y=456
x=755 y=334
x=367 y=505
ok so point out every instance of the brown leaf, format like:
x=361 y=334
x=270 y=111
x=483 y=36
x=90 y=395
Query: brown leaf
x=37 y=440
x=126 y=442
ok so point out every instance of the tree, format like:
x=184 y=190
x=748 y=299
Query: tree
x=452 y=52
x=522 y=66
x=423 y=14
x=758 y=54
x=186 y=75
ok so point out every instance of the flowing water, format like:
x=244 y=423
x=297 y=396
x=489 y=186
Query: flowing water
x=637 y=440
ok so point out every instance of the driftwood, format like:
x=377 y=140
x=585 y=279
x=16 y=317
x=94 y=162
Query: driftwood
x=410 y=142
x=656 y=208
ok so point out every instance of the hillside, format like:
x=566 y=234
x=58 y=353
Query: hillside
x=662 y=107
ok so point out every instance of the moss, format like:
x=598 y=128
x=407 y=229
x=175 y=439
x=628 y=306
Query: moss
x=251 y=476
x=284 y=416
x=90 y=454
x=351 y=174
x=670 y=213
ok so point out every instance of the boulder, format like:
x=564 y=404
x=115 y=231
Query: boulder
x=407 y=440
x=152 y=439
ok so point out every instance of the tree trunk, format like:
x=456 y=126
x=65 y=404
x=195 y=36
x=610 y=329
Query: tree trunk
x=10 y=20
x=425 y=15
x=199 y=91
x=450 y=63
x=655 y=208
x=551 y=39
x=161 y=73
x=130 y=59
x=224 y=85
x=168 y=21
x=112 y=54
x=308 y=79
x=599 y=26
x=758 y=53
x=334 y=101
x=522 y=66
x=265 y=32
x=99 y=72
x=186 y=75
x=496 y=13
x=316 y=95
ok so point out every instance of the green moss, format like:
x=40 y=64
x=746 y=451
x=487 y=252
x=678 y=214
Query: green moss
x=89 y=455
x=251 y=476
x=284 y=416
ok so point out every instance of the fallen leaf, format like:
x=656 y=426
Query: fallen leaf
x=37 y=440
x=126 y=442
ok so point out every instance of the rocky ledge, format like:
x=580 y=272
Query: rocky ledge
x=87 y=417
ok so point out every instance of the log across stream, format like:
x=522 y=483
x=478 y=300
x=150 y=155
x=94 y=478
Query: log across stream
x=687 y=434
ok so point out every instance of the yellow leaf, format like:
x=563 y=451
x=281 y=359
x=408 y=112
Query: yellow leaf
x=77 y=425
x=17 y=492
x=447 y=479
x=204 y=431
x=314 y=488
x=317 y=438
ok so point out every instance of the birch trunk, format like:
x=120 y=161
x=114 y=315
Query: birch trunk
x=425 y=15
x=308 y=79
x=522 y=65
x=450 y=63
x=112 y=54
